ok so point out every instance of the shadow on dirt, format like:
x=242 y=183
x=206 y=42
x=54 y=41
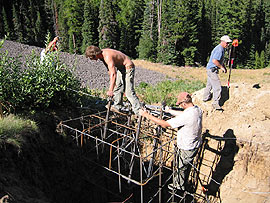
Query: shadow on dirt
x=225 y=95
x=226 y=160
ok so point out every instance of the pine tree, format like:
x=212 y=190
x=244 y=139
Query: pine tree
x=148 y=40
x=186 y=32
x=129 y=18
x=2 y=34
x=230 y=11
x=6 y=26
x=62 y=25
x=18 y=29
x=257 y=61
x=108 y=27
x=26 y=15
x=262 y=60
x=38 y=32
x=90 y=25
x=167 y=33
x=259 y=27
x=267 y=33
x=246 y=36
x=204 y=30
x=73 y=11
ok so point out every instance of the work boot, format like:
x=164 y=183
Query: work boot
x=206 y=100
x=217 y=107
x=113 y=109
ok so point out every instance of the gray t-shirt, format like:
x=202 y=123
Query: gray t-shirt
x=190 y=123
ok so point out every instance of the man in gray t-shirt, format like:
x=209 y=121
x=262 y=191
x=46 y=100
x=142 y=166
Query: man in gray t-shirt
x=189 y=123
x=215 y=63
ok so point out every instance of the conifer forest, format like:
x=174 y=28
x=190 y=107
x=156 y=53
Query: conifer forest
x=176 y=32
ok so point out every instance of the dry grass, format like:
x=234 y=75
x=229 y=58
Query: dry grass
x=261 y=76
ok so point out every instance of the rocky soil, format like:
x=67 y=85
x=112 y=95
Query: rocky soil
x=91 y=73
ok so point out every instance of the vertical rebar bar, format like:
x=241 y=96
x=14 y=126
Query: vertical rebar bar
x=134 y=146
x=119 y=167
x=106 y=121
x=141 y=177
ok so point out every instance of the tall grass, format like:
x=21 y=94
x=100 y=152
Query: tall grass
x=13 y=127
x=167 y=90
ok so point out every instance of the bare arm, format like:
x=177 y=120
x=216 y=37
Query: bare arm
x=112 y=74
x=52 y=43
x=156 y=120
x=217 y=63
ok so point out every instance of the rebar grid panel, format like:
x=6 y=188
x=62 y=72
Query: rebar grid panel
x=202 y=169
x=121 y=143
x=138 y=151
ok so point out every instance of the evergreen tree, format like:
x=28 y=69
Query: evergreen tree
x=204 y=34
x=108 y=28
x=18 y=29
x=267 y=32
x=148 y=40
x=230 y=11
x=62 y=26
x=73 y=11
x=90 y=25
x=38 y=32
x=262 y=60
x=6 y=26
x=187 y=30
x=211 y=7
x=129 y=18
x=2 y=34
x=26 y=16
x=257 y=60
x=259 y=27
x=246 y=37
x=251 y=60
x=168 y=37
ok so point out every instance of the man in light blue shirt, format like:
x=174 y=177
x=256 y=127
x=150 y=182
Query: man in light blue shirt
x=215 y=63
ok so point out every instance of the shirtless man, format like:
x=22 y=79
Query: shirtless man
x=50 y=48
x=121 y=71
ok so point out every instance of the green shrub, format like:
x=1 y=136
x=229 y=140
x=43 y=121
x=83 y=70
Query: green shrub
x=167 y=90
x=41 y=85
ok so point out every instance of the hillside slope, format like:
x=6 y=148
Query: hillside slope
x=241 y=132
x=247 y=116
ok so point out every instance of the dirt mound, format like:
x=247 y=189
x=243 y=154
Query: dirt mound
x=247 y=116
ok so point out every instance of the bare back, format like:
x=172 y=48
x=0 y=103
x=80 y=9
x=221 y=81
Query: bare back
x=116 y=58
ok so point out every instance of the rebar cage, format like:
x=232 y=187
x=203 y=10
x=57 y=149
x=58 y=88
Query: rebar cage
x=138 y=152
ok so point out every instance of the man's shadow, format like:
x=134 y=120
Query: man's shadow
x=226 y=162
x=224 y=95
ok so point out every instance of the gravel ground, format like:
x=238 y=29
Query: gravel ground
x=91 y=73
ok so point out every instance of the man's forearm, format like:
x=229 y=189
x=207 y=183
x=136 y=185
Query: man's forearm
x=156 y=120
x=112 y=81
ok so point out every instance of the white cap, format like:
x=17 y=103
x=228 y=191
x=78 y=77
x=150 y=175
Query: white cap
x=225 y=38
